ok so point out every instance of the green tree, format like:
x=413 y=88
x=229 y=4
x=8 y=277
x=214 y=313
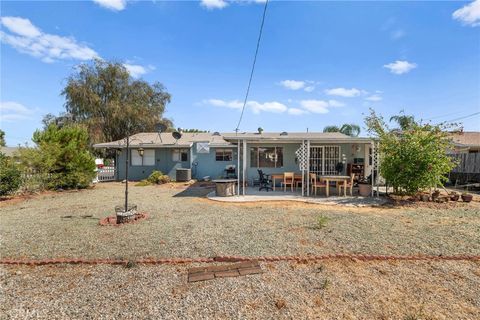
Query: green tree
x=103 y=96
x=349 y=129
x=403 y=120
x=413 y=159
x=61 y=157
x=2 y=138
x=10 y=176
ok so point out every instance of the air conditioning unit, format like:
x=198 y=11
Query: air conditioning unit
x=183 y=175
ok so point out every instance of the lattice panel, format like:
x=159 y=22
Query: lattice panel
x=302 y=156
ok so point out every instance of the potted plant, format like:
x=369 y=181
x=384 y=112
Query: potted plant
x=466 y=197
x=364 y=187
x=435 y=194
x=454 y=196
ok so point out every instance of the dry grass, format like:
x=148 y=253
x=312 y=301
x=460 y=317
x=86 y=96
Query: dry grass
x=331 y=290
x=182 y=224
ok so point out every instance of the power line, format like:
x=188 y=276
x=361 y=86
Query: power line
x=465 y=117
x=253 y=66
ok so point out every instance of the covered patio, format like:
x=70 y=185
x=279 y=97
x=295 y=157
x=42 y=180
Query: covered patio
x=313 y=164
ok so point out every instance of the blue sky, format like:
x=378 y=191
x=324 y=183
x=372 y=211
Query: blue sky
x=320 y=63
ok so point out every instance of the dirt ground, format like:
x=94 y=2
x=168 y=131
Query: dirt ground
x=330 y=290
x=182 y=223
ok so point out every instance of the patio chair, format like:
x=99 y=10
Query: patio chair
x=264 y=181
x=288 y=180
x=347 y=185
x=315 y=183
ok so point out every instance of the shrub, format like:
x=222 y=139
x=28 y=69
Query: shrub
x=157 y=177
x=322 y=221
x=414 y=157
x=61 y=157
x=10 y=176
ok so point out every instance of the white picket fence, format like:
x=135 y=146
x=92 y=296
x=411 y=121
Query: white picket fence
x=106 y=174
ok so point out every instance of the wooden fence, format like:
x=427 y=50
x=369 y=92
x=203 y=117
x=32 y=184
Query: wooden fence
x=467 y=163
x=106 y=174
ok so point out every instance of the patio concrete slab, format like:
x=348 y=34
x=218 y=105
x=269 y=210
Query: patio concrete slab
x=254 y=195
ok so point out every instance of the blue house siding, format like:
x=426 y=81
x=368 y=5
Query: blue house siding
x=206 y=164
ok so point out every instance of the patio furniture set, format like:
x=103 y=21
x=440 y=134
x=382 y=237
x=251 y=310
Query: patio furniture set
x=294 y=181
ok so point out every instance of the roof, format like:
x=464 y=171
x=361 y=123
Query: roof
x=166 y=140
x=294 y=136
x=467 y=138
x=9 y=151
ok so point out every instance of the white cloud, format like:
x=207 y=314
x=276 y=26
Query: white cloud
x=335 y=103
x=309 y=88
x=273 y=106
x=20 y=26
x=315 y=106
x=11 y=111
x=27 y=38
x=343 y=92
x=400 y=67
x=115 y=5
x=374 y=98
x=469 y=14
x=213 y=4
x=254 y=106
x=296 y=111
x=136 y=70
x=293 y=84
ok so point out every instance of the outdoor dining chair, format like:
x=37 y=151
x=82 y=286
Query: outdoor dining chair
x=288 y=180
x=315 y=183
x=348 y=184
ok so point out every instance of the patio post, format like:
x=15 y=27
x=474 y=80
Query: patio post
x=244 y=164
x=378 y=171
x=374 y=164
x=308 y=168
x=238 y=167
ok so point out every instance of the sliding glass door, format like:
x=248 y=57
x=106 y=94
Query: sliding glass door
x=324 y=159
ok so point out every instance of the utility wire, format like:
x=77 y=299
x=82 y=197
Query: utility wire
x=253 y=66
x=465 y=117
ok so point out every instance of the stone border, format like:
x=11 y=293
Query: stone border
x=112 y=220
x=354 y=257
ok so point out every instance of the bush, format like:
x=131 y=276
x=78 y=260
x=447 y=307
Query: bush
x=414 y=157
x=10 y=176
x=61 y=157
x=157 y=177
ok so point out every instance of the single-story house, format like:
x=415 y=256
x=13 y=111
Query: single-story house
x=466 y=142
x=210 y=154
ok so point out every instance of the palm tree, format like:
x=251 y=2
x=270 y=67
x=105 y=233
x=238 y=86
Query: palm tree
x=403 y=120
x=349 y=129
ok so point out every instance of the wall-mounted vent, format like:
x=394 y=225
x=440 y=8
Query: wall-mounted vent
x=216 y=133
x=284 y=133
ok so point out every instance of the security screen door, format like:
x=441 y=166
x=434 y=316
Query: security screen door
x=323 y=159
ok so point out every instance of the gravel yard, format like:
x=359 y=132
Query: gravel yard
x=182 y=223
x=331 y=290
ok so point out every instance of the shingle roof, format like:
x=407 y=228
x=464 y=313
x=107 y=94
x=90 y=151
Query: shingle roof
x=467 y=138
x=165 y=139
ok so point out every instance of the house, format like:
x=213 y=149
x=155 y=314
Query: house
x=210 y=154
x=466 y=142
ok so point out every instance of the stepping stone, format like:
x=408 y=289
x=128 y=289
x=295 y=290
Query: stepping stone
x=224 y=271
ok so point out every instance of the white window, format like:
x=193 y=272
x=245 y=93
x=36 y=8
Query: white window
x=180 y=155
x=148 y=158
x=223 y=154
x=324 y=159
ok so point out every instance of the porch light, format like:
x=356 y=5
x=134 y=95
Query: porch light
x=140 y=152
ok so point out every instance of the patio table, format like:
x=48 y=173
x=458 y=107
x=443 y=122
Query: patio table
x=297 y=177
x=337 y=179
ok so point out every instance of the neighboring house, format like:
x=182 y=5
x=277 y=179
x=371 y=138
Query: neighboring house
x=466 y=142
x=209 y=154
